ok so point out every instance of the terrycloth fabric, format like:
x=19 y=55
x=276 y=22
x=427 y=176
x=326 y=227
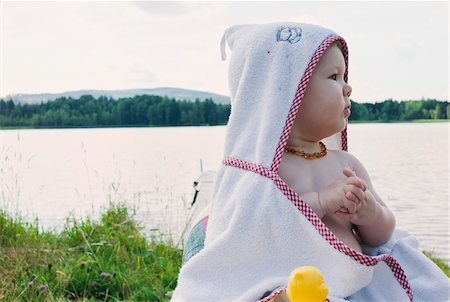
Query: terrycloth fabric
x=259 y=228
x=427 y=281
x=264 y=74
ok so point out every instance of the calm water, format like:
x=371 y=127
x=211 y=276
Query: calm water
x=54 y=174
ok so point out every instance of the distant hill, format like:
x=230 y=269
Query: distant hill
x=176 y=93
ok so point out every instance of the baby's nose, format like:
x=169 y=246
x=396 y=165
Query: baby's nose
x=347 y=90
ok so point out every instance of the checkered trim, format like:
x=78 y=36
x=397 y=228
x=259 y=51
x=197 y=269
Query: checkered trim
x=344 y=139
x=273 y=294
x=276 y=293
x=323 y=230
x=301 y=91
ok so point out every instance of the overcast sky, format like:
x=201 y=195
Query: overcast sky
x=397 y=49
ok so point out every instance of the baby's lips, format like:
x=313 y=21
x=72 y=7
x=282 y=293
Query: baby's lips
x=347 y=112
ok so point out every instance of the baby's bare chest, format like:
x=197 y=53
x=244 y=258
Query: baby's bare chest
x=312 y=175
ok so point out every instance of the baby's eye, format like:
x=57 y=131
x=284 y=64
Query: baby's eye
x=334 y=77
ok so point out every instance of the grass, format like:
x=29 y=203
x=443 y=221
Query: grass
x=439 y=262
x=105 y=260
x=108 y=260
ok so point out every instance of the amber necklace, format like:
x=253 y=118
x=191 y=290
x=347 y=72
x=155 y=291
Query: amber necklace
x=322 y=153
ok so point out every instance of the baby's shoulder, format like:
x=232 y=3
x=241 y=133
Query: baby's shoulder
x=345 y=157
x=352 y=162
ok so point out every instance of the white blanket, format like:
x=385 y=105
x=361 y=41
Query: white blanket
x=259 y=228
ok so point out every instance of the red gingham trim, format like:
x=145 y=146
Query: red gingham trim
x=323 y=230
x=276 y=293
x=273 y=295
x=344 y=139
x=301 y=91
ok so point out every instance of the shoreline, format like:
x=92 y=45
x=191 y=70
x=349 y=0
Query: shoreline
x=173 y=126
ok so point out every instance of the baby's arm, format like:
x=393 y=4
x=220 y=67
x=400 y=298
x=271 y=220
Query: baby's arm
x=374 y=221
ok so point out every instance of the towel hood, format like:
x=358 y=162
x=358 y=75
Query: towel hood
x=269 y=69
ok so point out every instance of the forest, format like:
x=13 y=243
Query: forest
x=151 y=110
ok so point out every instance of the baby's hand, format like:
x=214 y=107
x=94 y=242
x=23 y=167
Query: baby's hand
x=343 y=196
x=354 y=189
x=357 y=181
x=355 y=186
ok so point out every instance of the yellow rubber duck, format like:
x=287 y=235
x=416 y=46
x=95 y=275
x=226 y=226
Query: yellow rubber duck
x=306 y=284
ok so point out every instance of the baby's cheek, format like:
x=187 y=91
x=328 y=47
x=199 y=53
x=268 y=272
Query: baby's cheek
x=329 y=115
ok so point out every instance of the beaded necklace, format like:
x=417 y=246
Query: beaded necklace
x=322 y=153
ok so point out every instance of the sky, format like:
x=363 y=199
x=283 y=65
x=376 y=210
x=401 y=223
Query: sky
x=397 y=50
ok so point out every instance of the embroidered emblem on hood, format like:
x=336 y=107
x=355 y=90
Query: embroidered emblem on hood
x=289 y=34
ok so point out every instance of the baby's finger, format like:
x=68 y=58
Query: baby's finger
x=364 y=185
x=351 y=206
x=350 y=196
x=343 y=210
x=358 y=193
x=347 y=172
x=358 y=182
x=346 y=216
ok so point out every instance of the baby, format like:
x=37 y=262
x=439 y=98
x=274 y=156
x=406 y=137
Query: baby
x=334 y=183
x=281 y=199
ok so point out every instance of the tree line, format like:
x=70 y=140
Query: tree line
x=143 y=110
x=395 y=111
x=150 y=110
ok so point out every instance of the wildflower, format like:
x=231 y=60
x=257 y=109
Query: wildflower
x=30 y=284
x=43 y=287
x=105 y=275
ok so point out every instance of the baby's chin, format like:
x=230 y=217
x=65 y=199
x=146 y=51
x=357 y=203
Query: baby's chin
x=343 y=126
x=346 y=117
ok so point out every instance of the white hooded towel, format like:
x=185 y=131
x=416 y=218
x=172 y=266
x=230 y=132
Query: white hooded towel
x=259 y=228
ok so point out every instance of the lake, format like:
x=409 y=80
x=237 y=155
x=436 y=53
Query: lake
x=53 y=174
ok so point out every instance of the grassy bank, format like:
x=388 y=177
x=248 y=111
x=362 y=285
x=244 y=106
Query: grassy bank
x=439 y=262
x=108 y=260
x=105 y=260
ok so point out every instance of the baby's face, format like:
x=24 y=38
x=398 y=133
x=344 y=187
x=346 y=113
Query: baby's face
x=325 y=106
